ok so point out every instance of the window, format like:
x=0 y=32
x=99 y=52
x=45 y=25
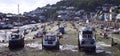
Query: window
x=50 y=38
x=87 y=34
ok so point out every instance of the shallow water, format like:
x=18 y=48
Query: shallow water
x=4 y=35
x=35 y=45
x=62 y=47
x=3 y=46
x=103 y=51
x=73 y=48
x=102 y=44
x=68 y=47
x=100 y=48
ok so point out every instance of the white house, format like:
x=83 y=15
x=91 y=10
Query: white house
x=118 y=17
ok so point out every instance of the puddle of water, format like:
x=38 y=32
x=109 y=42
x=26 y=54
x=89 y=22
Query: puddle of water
x=4 y=35
x=3 y=45
x=62 y=47
x=102 y=44
x=69 y=47
x=73 y=48
x=103 y=51
x=100 y=48
x=108 y=52
x=100 y=51
x=35 y=45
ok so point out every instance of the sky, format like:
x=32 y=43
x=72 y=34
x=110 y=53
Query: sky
x=11 y=6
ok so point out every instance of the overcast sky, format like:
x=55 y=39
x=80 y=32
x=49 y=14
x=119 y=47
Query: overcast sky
x=11 y=6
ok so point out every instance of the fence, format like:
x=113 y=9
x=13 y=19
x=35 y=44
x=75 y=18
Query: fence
x=108 y=23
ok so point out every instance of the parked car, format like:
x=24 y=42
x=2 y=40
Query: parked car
x=62 y=30
x=20 y=31
x=6 y=26
x=44 y=31
x=39 y=34
x=32 y=22
x=116 y=31
x=86 y=40
x=107 y=29
x=93 y=28
x=50 y=41
x=58 y=23
x=101 y=26
x=105 y=35
x=59 y=34
x=35 y=27
x=17 y=24
x=16 y=41
x=111 y=27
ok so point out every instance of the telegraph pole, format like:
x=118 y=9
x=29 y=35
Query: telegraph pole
x=18 y=17
x=110 y=16
x=18 y=9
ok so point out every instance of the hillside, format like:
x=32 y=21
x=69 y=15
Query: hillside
x=89 y=5
x=49 y=11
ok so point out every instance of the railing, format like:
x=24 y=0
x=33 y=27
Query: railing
x=107 y=23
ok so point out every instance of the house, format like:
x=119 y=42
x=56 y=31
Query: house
x=107 y=14
x=118 y=18
x=106 y=8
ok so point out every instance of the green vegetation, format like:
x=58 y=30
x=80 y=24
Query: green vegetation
x=87 y=5
x=101 y=39
x=117 y=11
